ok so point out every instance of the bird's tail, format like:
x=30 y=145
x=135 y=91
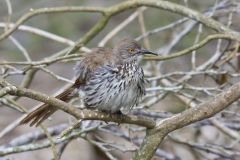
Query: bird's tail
x=42 y=112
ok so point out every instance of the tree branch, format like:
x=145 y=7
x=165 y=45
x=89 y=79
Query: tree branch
x=205 y=110
x=108 y=12
x=79 y=114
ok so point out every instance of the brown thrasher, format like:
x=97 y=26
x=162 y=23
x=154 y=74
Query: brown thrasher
x=109 y=80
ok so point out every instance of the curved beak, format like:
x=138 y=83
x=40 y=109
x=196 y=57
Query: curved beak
x=145 y=51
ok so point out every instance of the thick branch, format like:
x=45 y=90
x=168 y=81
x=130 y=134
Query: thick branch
x=111 y=11
x=79 y=114
x=205 y=110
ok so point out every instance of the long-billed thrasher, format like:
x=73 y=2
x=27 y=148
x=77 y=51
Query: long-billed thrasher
x=108 y=80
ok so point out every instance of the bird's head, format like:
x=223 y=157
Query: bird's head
x=129 y=50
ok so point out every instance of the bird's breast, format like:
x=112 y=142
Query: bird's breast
x=115 y=87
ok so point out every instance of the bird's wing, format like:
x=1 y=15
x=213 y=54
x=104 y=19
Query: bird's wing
x=99 y=57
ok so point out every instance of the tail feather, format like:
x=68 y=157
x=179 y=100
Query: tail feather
x=37 y=116
x=48 y=114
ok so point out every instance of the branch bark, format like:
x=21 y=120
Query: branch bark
x=77 y=113
x=205 y=110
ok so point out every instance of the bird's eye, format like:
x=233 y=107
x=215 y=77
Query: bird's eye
x=131 y=50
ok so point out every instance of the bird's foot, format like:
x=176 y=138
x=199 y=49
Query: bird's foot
x=120 y=116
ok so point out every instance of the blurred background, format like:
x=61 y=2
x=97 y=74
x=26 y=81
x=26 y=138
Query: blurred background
x=200 y=86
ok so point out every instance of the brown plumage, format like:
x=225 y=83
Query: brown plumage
x=91 y=61
x=107 y=79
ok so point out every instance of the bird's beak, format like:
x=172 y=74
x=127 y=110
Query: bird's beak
x=145 y=51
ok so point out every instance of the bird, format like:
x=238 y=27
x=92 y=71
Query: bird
x=109 y=80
